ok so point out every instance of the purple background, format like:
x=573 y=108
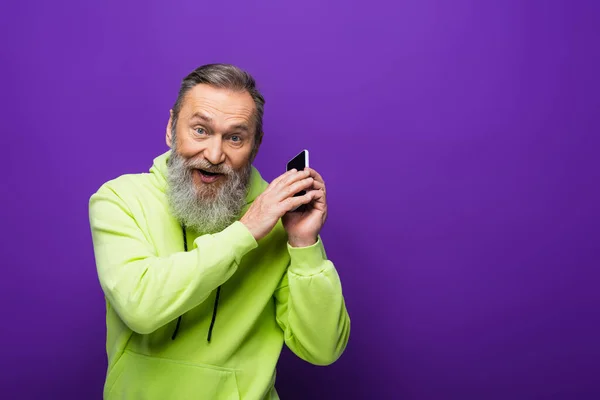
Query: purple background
x=459 y=142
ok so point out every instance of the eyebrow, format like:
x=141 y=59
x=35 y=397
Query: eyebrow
x=197 y=115
x=239 y=127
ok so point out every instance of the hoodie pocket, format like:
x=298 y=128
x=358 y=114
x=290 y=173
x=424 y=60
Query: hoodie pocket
x=137 y=376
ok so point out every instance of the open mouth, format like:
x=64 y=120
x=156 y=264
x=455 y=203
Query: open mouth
x=207 y=176
x=208 y=173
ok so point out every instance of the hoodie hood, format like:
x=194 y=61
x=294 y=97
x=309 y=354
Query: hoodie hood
x=160 y=170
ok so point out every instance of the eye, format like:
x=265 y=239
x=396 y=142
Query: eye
x=236 y=138
x=200 y=131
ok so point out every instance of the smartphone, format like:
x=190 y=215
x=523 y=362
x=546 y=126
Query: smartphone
x=299 y=162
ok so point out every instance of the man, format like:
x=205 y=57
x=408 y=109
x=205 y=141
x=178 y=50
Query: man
x=206 y=269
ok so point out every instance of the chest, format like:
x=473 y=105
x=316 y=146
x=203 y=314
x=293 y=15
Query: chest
x=260 y=270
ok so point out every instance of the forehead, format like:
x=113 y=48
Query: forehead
x=218 y=104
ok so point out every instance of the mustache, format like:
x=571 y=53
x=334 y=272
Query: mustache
x=207 y=166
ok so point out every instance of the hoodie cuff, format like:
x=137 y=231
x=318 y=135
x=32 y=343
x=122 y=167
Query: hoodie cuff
x=306 y=261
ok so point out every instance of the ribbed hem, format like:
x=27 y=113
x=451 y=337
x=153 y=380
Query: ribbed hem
x=306 y=261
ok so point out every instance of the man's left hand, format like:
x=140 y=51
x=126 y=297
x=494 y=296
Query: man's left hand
x=303 y=226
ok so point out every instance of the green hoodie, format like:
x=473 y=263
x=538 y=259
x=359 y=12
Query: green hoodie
x=162 y=300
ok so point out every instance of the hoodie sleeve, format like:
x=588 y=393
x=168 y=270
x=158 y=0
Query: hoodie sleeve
x=310 y=306
x=148 y=291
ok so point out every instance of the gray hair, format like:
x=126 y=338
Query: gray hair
x=224 y=76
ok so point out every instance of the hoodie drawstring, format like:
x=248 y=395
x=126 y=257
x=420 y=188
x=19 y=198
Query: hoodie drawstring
x=214 y=316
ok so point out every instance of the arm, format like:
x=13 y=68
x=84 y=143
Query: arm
x=148 y=291
x=310 y=306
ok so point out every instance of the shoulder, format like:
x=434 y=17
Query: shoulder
x=125 y=190
x=134 y=185
x=124 y=185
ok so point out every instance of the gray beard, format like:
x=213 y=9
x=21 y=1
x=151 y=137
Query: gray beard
x=211 y=207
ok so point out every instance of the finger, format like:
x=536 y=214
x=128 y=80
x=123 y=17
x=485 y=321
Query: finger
x=319 y=186
x=294 y=177
x=316 y=175
x=288 y=191
x=282 y=177
x=292 y=203
x=319 y=201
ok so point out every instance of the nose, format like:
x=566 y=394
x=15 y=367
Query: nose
x=214 y=150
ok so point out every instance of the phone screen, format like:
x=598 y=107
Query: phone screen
x=299 y=163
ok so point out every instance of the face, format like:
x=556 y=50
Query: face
x=215 y=125
x=210 y=164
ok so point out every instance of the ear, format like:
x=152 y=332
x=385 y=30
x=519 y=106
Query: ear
x=169 y=133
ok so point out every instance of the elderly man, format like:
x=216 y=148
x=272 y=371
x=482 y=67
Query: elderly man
x=206 y=268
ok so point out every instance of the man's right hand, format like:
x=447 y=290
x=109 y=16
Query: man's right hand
x=277 y=199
